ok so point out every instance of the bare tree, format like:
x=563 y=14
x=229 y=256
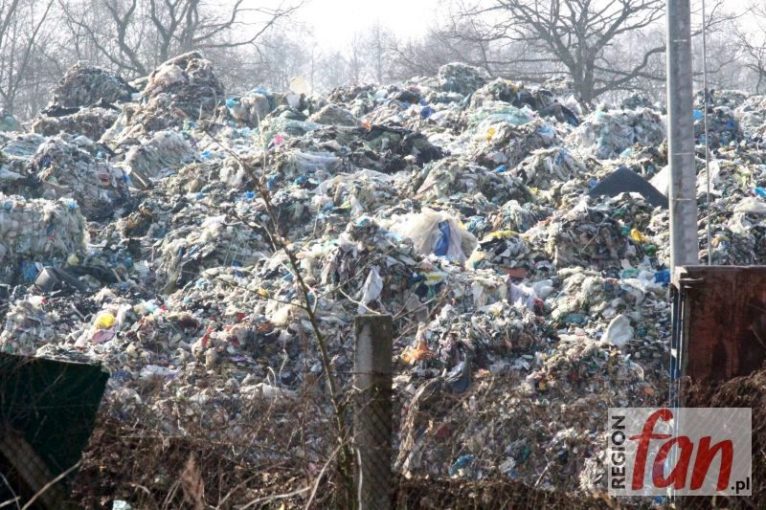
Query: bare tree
x=439 y=46
x=22 y=26
x=471 y=40
x=332 y=71
x=378 y=44
x=725 y=67
x=355 y=60
x=133 y=36
x=752 y=46
x=280 y=57
x=589 y=40
x=368 y=55
x=418 y=57
x=576 y=35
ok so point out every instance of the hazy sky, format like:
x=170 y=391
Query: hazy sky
x=335 y=21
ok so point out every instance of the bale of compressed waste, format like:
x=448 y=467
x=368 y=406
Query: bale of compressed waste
x=86 y=85
x=452 y=177
x=186 y=82
x=165 y=150
x=722 y=127
x=609 y=133
x=181 y=91
x=461 y=78
x=545 y=167
x=334 y=114
x=39 y=230
x=77 y=169
x=90 y=122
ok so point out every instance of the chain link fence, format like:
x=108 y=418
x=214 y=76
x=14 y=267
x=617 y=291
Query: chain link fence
x=158 y=449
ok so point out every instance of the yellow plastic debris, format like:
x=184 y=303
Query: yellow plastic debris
x=434 y=277
x=104 y=320
x=637 y=236
x=262 y=292
x=491 y=133
x=500 y=234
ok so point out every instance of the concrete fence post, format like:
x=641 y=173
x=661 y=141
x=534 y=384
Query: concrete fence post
x=372 y=410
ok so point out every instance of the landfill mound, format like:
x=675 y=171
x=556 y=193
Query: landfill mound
x=526 y=300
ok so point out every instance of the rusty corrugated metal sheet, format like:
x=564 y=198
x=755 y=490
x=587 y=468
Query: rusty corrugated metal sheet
x=724 y=320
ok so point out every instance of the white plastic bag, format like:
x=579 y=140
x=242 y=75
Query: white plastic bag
x=619 y=332
x=373 y=286
x=435 y=232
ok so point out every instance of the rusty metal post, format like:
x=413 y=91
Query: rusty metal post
x=372 y=412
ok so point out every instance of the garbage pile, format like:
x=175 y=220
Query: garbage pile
x=84 y=103
x=523 y=306
x=38 y=230
x=611 y=133
x=77 y=168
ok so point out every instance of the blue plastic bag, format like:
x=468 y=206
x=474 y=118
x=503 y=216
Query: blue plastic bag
x=462 y=462
x=442 y=244
x=662 y=276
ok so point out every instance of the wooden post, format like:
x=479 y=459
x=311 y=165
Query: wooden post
x=372 y=412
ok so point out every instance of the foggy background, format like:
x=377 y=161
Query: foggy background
x=599 y=50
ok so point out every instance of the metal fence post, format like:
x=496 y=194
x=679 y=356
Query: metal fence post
x=372 y=411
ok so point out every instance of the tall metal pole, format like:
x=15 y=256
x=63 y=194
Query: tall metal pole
x=683 y=202
x=684 y=246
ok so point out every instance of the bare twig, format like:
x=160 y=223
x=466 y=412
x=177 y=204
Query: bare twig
x=50 y=484
x=14 y=500
x=306 y=294
x=319 y=478
x=275 y=497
